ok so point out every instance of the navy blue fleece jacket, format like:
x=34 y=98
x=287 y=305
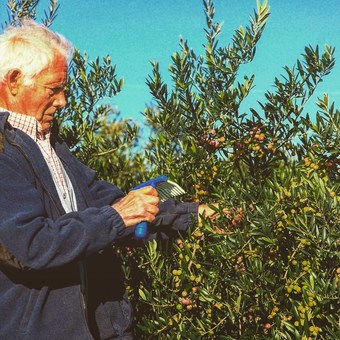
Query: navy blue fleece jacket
x=42 y=249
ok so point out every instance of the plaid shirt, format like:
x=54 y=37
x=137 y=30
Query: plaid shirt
x=32 y=128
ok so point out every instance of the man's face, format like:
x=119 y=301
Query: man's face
x=45 y=95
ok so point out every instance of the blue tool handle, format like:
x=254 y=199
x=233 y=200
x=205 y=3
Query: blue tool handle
x=153 y=182
x=141 y=229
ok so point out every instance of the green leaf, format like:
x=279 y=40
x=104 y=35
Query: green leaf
x=142 y=294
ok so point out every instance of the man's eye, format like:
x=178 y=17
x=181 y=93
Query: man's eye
x=55 y=90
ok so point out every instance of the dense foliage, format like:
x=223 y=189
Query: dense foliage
x=269 y=266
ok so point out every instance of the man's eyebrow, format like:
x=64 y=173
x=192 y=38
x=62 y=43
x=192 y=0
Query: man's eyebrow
x=56 y=85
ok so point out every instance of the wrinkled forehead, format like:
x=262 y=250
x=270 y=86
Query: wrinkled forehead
x=55 y=72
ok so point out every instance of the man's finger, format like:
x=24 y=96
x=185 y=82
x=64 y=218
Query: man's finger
x=149 y=190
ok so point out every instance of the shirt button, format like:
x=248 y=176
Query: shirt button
x=64 y=195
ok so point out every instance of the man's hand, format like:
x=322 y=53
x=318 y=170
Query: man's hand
x=138 y=205
x=205 y=211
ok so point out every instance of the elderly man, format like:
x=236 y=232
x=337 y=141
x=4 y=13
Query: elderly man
x=58 y=276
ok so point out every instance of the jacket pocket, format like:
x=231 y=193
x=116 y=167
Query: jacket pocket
x=114 y=318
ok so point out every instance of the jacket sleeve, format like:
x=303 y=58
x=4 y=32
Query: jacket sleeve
x=101 y=192
x=37 y=241
x=174 y=218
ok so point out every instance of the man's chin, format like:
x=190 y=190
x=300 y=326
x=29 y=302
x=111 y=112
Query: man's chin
x=45 y=127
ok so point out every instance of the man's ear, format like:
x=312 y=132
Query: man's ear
x=14 y=79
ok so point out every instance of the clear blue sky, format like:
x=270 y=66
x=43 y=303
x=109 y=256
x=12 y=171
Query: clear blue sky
x=134 y=32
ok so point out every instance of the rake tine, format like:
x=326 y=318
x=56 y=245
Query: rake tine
x=169 y=189
x=176 y=186
x=163 y=195
x=177 y=190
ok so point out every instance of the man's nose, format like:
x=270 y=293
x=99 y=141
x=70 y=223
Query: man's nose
x=60 y=100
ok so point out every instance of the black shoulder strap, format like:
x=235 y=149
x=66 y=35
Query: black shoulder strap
x=1 y=142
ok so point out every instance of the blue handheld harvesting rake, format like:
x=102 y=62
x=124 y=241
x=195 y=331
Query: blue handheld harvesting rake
x=166 y=189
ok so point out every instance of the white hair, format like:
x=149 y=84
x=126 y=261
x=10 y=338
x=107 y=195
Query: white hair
x=31 y=47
